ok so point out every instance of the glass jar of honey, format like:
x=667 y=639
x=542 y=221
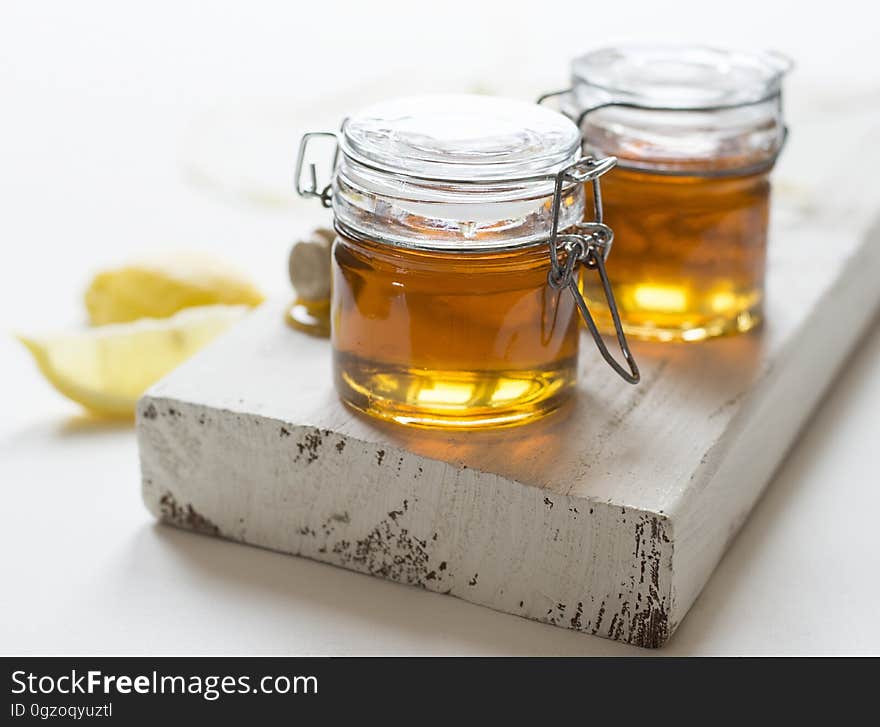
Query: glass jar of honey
x=456 y=263
x=696 y=132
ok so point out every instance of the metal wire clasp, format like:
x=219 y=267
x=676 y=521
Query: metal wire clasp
x=311 y=190
x=755 y=168
x=589 y=246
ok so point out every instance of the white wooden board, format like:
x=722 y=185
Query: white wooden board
x=609 y=521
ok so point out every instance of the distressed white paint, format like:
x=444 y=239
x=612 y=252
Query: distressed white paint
x=608 y=521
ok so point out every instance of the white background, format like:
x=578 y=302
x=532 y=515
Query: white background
x=127 y=127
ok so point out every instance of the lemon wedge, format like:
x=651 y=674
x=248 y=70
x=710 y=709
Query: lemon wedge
x=163 y=285
x=107 y=368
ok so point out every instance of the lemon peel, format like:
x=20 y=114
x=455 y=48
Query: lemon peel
x=163 y=285
x=107 y=368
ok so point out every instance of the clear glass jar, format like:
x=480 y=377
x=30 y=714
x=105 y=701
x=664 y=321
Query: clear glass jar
x=696 y=132
x=442 y=311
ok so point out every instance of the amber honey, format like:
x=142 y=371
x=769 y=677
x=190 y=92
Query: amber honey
x=689 y=254
x=442 y=338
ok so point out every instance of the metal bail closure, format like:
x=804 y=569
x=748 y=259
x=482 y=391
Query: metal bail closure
x=717 y=173
x=589 y=246
x=312 y=189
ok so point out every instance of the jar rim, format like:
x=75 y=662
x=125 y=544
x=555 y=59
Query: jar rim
x=456 y=172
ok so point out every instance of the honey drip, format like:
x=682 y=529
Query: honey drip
x=309 y=316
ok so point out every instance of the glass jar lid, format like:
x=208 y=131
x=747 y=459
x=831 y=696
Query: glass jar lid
x=460 y=137
x=455 y=172
x=669 y=108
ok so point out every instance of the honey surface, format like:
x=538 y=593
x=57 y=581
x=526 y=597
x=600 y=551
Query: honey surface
x=688 y=256
x=450 y=339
